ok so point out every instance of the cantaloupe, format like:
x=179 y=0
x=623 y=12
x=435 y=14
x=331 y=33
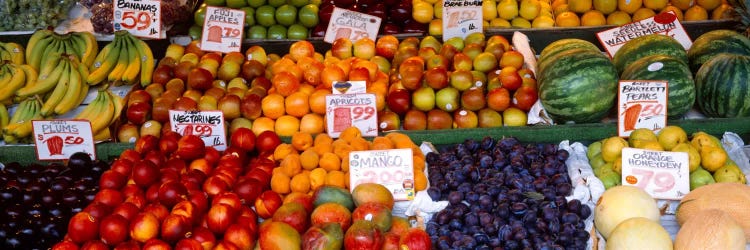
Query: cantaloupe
x=639 y=233
x=731 y=198
x=710 y=229
x=620 y=203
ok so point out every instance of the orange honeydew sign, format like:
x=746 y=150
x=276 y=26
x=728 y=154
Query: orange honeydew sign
x=59 y=139
x=222 y=30
x=641 y=104
x=392 y=168
x=142 y=18
x=351 y=24
x=662 y=174
x=663 y=23
x=461 y=18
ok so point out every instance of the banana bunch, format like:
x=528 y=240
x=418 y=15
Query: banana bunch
x=126 y=59
x=11 y=52
x=45 y=43
x=14 y=77
x=4 y=116
x=103 y=111
x=18 y=128
x=68 y=91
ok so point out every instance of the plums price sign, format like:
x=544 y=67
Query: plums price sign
x=662 y=174
x=208 y=125
x=222 y=30
x=461 y=18
x=642 y=104
x=141 y=18
x=393 y=169
x=665 y=23
x=348 y=110
x=351 y=24
x=59 y=139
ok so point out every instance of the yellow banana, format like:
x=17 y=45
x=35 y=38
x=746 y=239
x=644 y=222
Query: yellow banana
x=45 y=83
x=147 y=61
x=4 y=116
x=4 y=55
x=57 y=95
x=122 y=62
x=74 y=90
x=102 y=119
x=31 y=74
x=134 y=62
x=49 y=65
x=17 y=80
x=90 y=109
x=16 y=52
x=102 y=66
x=52 y=50
x=104 y=135
x=91 y=47
x=37 y=52
x=5 y=78
x=78 y=43
x=24 y=112
x=118 y=103
x=24 y=128
x=34 y=42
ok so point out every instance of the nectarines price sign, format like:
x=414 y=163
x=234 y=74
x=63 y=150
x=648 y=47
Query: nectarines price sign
x=663 y=23
x=59 y=139
x=461 y=18
x=141 y=18
x=662 y=174
x=208 y=125
x=222 y=30
x=642 y=104
x=393 y=169
x=351 y=24
x=348 y=110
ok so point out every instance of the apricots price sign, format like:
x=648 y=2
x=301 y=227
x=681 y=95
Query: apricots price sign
x=222 y=30
x=208 y=125
x=141 y=18
x=392 y=168
x=59 y=139
x=663 y=23
x=348 y=110
x=461 y=18
x=662 y=174
x=642 y=104
x=351 y=24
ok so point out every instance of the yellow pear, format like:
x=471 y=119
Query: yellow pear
x=529 y=9
x=651 y=145
x=702 y=139
x=507 y=9
x=499 y=23
x=594 y=149
x=617 y=165
x=612 y=148
x=489 y=9
x=520 y=22
x=579 y=6
x=670 y=136
x=641 y=134
x=713 y=158
x=597 y=161
x=605 y=6
x=694 y=157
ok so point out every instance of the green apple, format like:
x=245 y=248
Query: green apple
x=195 y=32
x=286 y=14
x=298 y=3
x=277 y=31
x=423 y=98
x=256 y=3
x=249 y=16
x=236 y=4
x=264 y=15
x=215 y=2
x=447 y=99
x=297 y=32
x=457 y=42
x=276 y=3
x=489 y=118
x=308 y=15
x=256 y=32
x=430 y=41
x=200 y=15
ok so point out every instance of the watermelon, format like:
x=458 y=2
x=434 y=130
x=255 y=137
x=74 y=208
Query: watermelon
x=563 y=45
x=681 y=94
x=578 y=86
x=654 y=44
x=722 y=86
x=714 y=42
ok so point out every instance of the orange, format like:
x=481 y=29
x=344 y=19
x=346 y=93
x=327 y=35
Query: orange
x=273 y=106
x=593 y=18
x=309 y=159
x=579 y=6
x=605 y=6
x=317 y=178
x=301 y=141
x=682 y=4
x=350 y=133
x=300 y=49
x=618 y=18
x=381 y=143
x=642 y=13
x=656 y=4
x=420 y=181
x=282 y=151
x=724 y=11
x=359 y=144
x=342 y=149
x=300 y=183
x=709 y=4
x=696 y=13
x=296 y=104
x=317 y=100
x=285 y=83
x=336 y=178
x=280 y=183
x=261 y=124
x=677 y=11
x=329 y=162
x=567 y=19
x=306 y=88
x=290 y=165
x=629 y=6
x=286 y=125
x=312 y=123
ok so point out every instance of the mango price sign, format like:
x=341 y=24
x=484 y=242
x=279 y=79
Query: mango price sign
x=663 y=23
x=208 y=125
x=461 y=18
x=59 y=139
x=351 y=24
x=641 y=104
x=393 y=169
x=222 y=30
x=142 y=18
x=664 y=175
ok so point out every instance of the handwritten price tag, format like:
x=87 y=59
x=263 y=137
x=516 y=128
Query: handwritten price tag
x=208 y=125
x=141 y=18
x=59 y=139
x=222 y=30
x=461 y=18
x=351 y=24
x=664 y=23
x=642 y=104
x=348 y=110
x=664 y=175
x=393 y=169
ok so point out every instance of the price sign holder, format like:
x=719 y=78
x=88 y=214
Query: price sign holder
x=348 y=110
x=351 y=24
x=223 y=30
x=393 y=169
x=349 y=87
x=662 y=174
x=663 y=23
x=142 y=18
x=461 y=18
x=59 y=139
x=208 y=125
x=641 y=104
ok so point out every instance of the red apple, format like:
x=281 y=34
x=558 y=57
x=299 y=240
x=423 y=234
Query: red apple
x=399 y=101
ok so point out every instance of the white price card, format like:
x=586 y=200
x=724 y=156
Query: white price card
x=208 y=125
x=142 y=18
x=349 y=87
x=393 y=169
x=663 y=23
x=662 y=174
x=641 y=104
x=351 y=24
x=357 y=110
x=222 y=30
x=59 y=139
x=461 y=18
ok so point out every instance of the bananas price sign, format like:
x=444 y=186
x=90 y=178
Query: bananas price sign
x=662 y=174
x=351 y=24
x=141 y=18
x=392 y=168
x=222 y=30
x=59 y=139
x=348 y=110
x=642 y=104
x=208 y=125
x=461 y=18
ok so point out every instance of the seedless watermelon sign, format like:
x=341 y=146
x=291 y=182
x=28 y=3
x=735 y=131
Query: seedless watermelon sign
x=664 y=23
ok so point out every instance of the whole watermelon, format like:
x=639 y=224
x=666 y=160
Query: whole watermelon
x=679 y=78
x=562 y=45
x=578 y=85
x=715 y=42
x=722 y=86
x=654 y=44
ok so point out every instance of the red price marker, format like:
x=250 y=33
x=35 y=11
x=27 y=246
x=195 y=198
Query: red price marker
x=59 y=139
x=141 y=18
x=208 y=125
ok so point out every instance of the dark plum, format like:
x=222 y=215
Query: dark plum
x=434 y=193
x=585 y=212
x=471 y=219
x=444 y=231
x=564 y=189
x=431 y=228
x=455 y=197
x=455 y=224
x=519 y=208
x=444 y=243
x=570 y=218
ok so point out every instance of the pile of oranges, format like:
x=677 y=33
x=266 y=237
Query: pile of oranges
x=571 y=13
x=308 y=162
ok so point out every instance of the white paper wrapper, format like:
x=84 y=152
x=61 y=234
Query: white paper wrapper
x=423 y=206
x=586 y=187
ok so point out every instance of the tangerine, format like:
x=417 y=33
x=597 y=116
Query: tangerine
x=567 y=19
x=286 y=125
x=297 y=104
x=273 y=106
